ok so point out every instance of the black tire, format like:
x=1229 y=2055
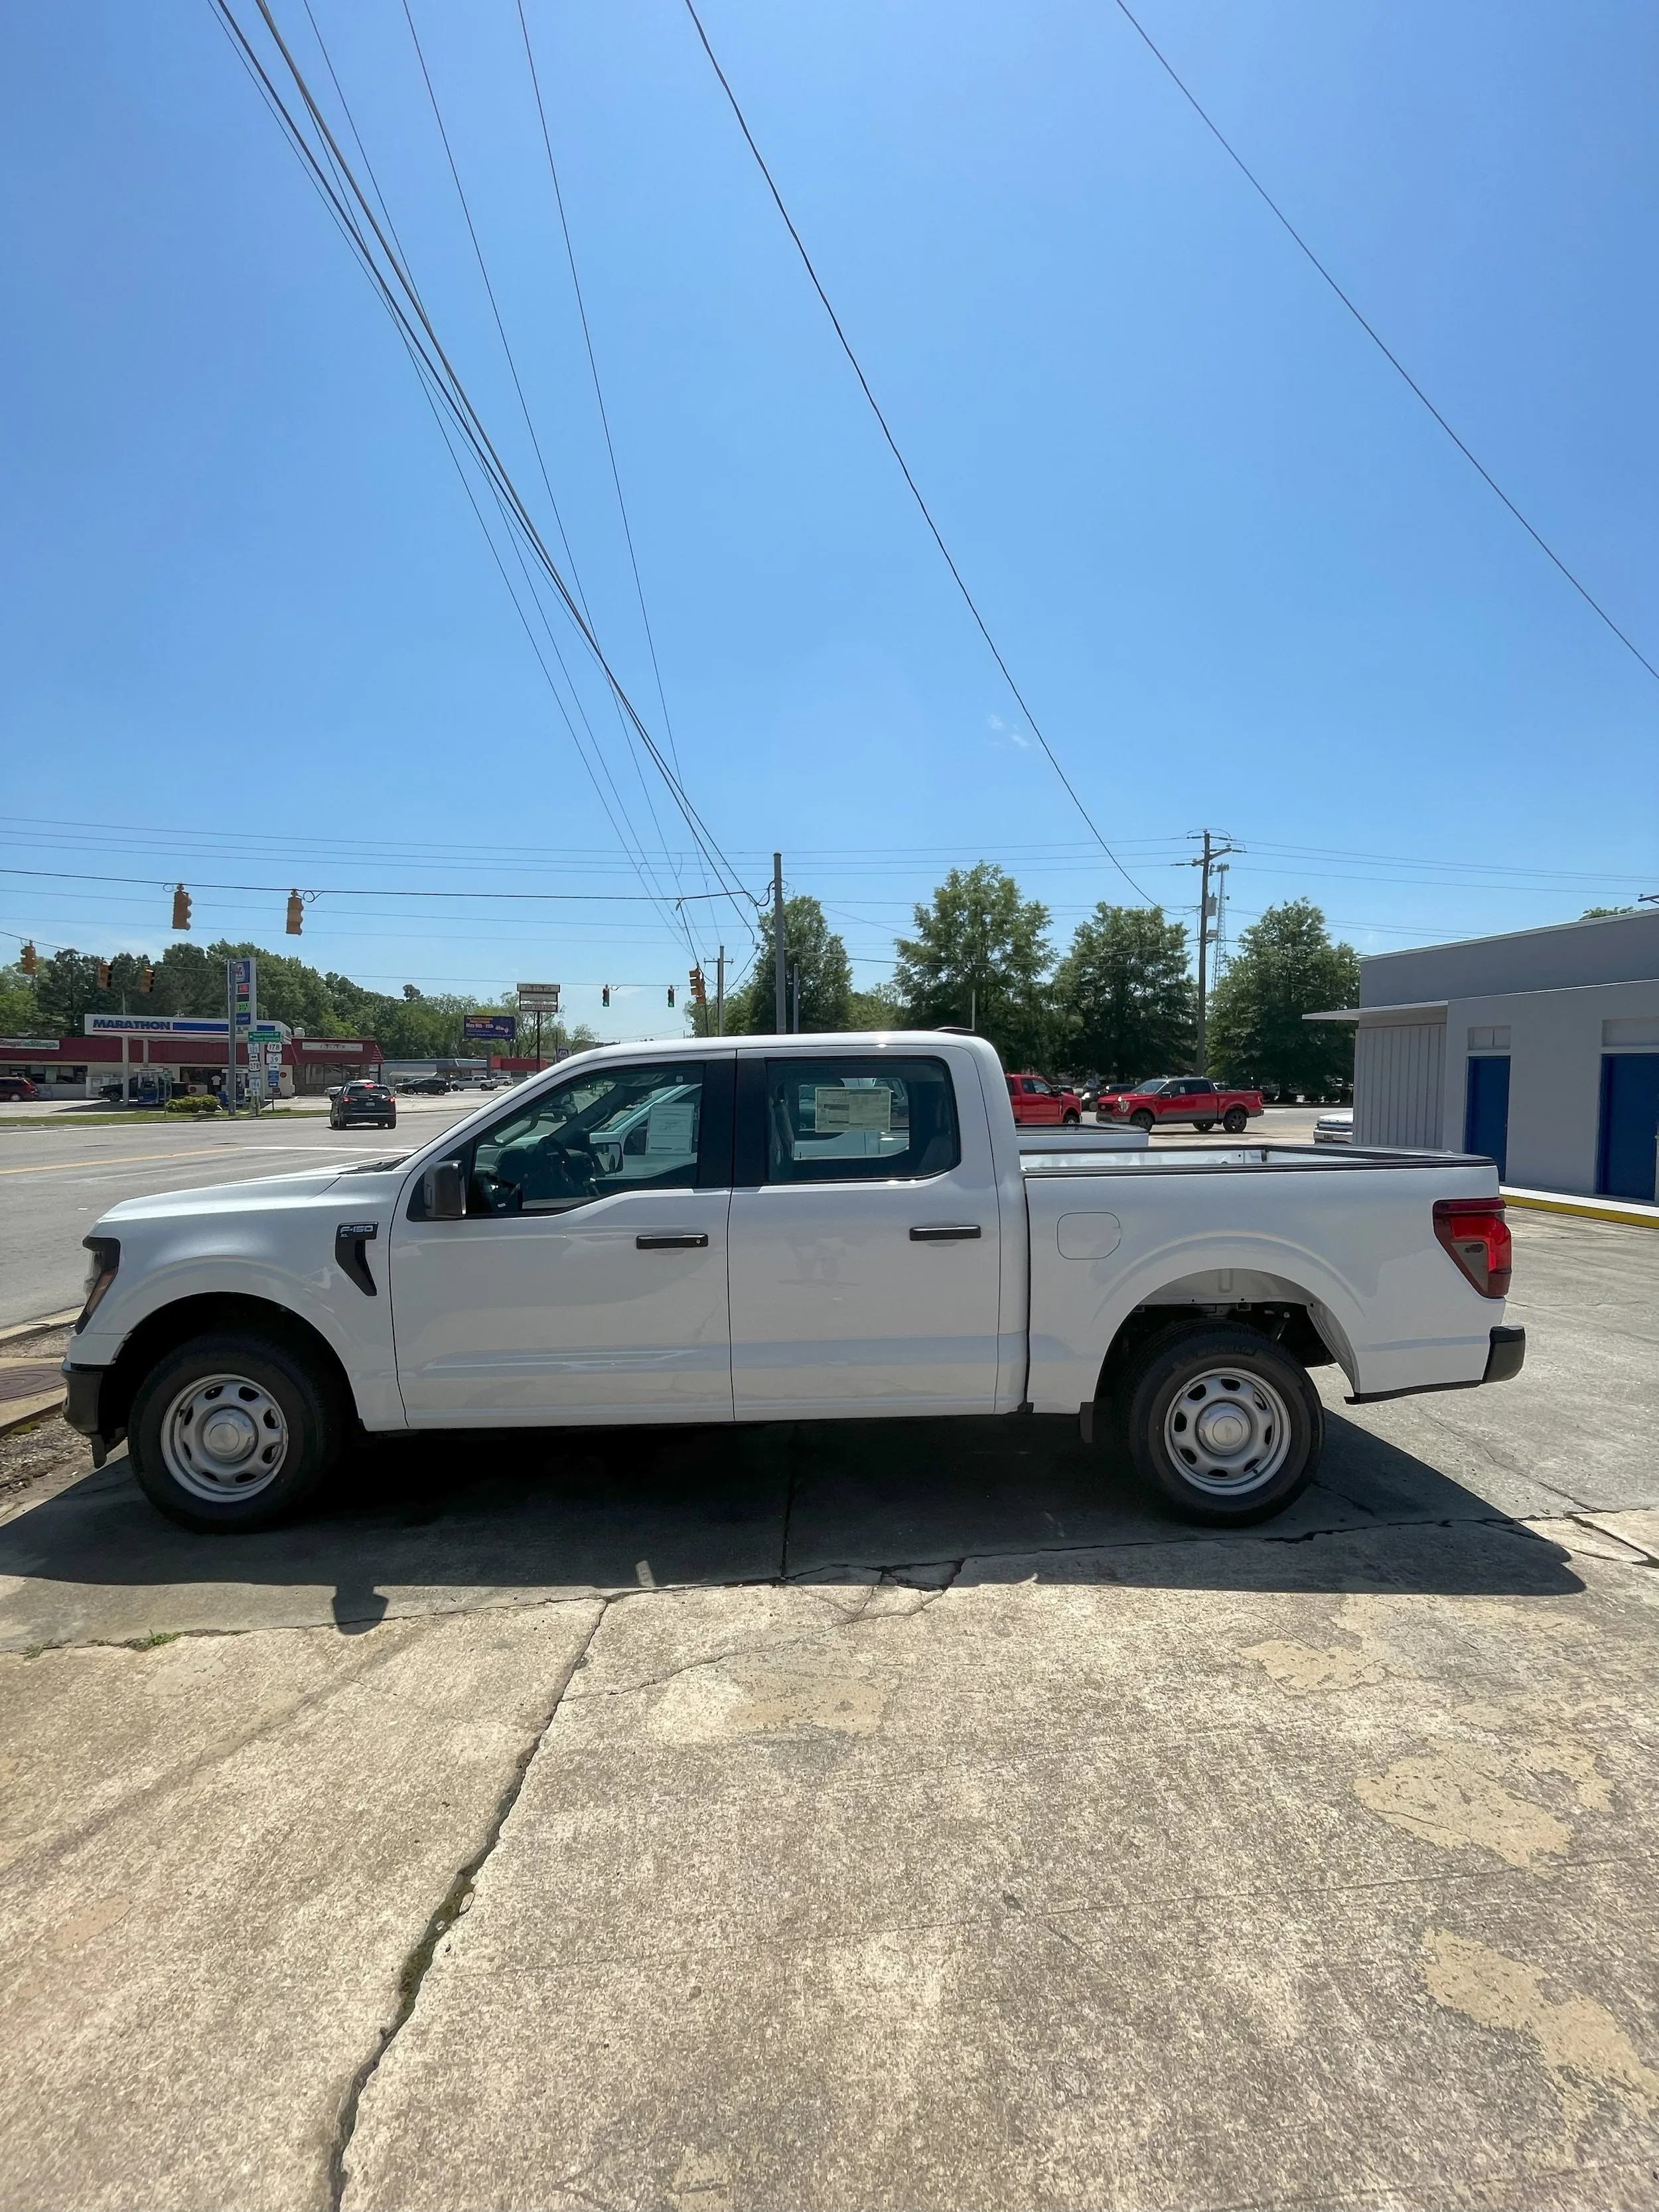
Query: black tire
x=1143 y=1117
x=271 y=1389
x=1234 y=1121
x=1070 y=1121
x=1204 y=1127
x=1240 y=1374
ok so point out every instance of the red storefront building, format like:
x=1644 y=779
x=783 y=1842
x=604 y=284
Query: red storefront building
x=174 y=1056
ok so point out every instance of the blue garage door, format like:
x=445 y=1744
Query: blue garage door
x=1630 y=1124
x=1487 y=1109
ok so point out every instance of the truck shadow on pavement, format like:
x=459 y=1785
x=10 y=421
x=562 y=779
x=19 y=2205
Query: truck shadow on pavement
x=434 y=1524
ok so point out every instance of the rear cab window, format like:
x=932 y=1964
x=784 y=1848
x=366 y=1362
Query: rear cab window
x=858 y=1119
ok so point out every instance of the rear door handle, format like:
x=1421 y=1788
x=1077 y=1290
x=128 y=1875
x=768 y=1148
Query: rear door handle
x=950 y=1235
x=676 y=1241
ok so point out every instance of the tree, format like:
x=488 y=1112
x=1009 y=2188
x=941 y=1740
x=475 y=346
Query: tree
x=19 y=1015
x=1123 y=994
x=826 y=978
x=980 y=954
x=1287 y=966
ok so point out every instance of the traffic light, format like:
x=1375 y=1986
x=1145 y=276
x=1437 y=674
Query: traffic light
x=103 y=975
x=699 y=994
x=180 y=907
x=671 y=994
x=30 y=962
x=295 y=913
x=605 y=995
x=146 y=977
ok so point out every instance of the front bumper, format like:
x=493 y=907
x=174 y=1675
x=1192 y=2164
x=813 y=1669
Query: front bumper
x=83 y=1409
x=1506 y=1353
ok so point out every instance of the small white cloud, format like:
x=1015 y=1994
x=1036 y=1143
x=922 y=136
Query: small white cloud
x=1024 y=744
x=995 y=720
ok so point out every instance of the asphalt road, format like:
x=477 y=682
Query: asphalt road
x=895 y=1815
x=55 y=1181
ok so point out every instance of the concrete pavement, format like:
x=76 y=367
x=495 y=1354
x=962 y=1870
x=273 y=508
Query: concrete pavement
x=899 y=1815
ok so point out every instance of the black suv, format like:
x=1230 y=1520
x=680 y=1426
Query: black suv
x=363 y=1105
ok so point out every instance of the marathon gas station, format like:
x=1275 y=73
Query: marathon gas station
x=163 y=1055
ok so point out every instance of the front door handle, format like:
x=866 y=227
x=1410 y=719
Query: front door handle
x=950 y=1235
x=677 y=1241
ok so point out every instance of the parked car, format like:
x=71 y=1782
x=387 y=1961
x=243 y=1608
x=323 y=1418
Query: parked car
x=1336 y=1127
x=1038 y=1103
x=828 y=1230
x=428 y=1086
x=363 y=1105
x=1163 y=1099
x=18 y=1086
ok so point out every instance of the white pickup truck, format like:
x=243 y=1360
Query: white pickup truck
x=820 y=1228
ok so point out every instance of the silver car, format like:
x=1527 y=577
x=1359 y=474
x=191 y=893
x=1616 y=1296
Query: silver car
x=1336 y=1127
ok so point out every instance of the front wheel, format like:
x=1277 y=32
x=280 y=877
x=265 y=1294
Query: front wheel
x=1143 y=1117
x=1071 y=1121
x=1226 y=1424
x=233 y=1431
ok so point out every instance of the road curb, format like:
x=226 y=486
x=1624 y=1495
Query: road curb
x=1633 y=1215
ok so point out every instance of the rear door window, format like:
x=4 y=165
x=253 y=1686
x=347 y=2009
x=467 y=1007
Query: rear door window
x=860 y=1119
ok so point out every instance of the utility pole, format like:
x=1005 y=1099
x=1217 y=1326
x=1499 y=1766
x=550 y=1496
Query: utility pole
x=719 y=993
x=794 y=1000
x=1215 y=843
x=779 y=979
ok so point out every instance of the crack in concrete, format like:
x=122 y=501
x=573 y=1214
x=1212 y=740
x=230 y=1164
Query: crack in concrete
x=454 y=1903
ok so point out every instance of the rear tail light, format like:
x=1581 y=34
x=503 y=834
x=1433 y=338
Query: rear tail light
x=1474 y=1230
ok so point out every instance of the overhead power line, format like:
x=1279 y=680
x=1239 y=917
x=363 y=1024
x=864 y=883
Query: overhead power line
x=904 y=467
x=386 y=268
x=377 y=891
x=1386 y=352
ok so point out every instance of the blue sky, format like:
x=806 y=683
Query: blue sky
x=251 y=632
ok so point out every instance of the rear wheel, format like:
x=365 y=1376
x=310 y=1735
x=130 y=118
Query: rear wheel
x=1071 y=1121
x=1224 y=1424
x=1143 y=1117
x=233 y=1431
x=1234 y=1121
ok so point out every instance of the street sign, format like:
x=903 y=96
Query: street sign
x=503 y=1028
x=538 y=998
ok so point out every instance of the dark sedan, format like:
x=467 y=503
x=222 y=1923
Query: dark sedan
x=363 y=1105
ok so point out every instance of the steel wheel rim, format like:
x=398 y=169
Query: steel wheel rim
x=224 y=1437
x=1228 y=1433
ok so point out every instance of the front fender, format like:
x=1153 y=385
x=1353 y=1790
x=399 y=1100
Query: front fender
x=294 y=1271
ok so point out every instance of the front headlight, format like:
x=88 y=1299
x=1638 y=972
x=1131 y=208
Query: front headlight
x=104 y=1257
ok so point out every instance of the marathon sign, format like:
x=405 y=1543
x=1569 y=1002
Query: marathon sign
x=152 y=1025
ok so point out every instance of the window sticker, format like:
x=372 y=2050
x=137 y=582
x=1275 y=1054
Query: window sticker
x=835 y=1109
x=669 y=1129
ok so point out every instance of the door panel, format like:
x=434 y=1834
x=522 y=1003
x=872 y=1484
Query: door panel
x=567 y=1317
x=848 y=1295
x=587 y=1281
x=1630 y=1125
x=1487 y=1109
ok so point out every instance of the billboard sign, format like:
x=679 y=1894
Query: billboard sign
x=503 y=1027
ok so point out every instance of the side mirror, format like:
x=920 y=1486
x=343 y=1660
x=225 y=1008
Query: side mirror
x=443 y=1192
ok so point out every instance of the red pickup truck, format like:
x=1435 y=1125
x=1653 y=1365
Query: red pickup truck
x=1194 y=1098
x=1036 y=1101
